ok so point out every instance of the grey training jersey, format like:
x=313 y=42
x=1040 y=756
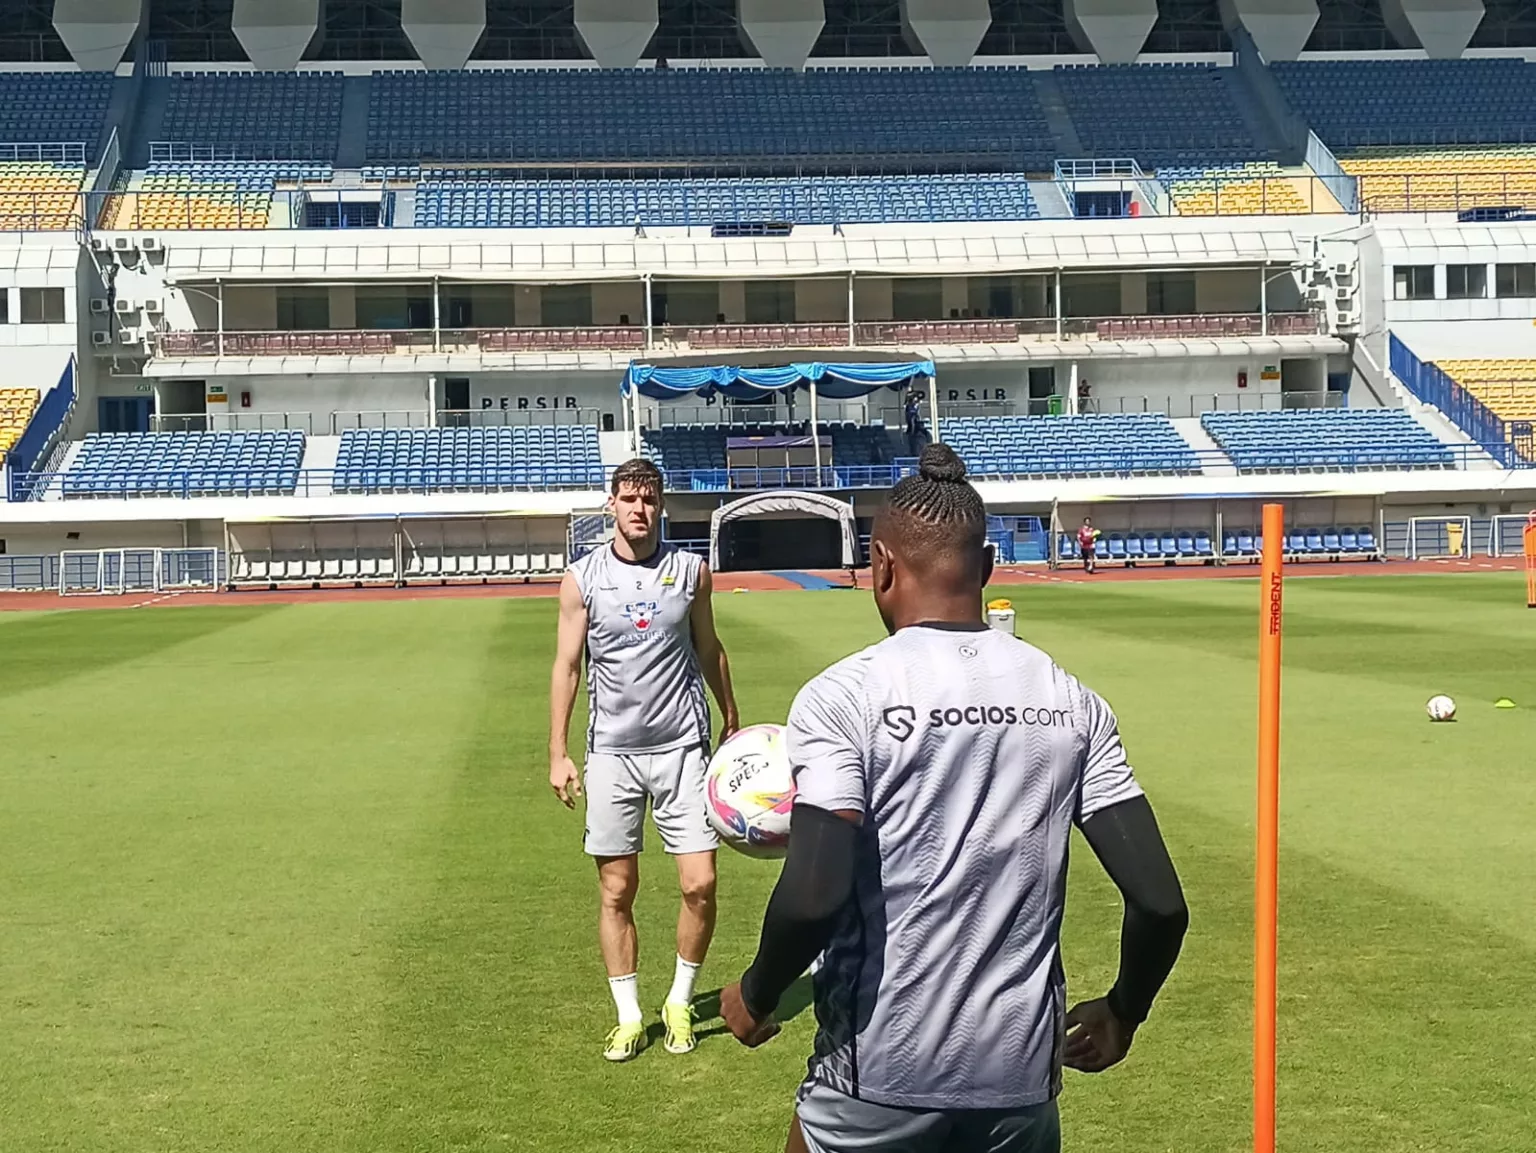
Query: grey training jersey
x=645 y=693
x=970 y=754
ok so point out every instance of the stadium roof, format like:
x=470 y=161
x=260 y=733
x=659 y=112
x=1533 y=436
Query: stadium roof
x=438 y=31
x=1041 y=246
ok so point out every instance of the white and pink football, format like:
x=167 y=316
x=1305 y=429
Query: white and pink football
x=750 y=792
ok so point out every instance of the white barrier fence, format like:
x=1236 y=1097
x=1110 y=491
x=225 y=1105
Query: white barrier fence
x=116 y=571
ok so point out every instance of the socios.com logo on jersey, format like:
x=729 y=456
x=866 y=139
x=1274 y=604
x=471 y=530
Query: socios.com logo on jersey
x=902 y=721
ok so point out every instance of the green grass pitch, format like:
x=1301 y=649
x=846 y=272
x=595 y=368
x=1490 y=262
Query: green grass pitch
x=291 y=879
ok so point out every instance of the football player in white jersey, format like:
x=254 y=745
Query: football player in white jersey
x=638 y=612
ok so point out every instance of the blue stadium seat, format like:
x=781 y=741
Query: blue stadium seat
x=54 y=107
x=1336 y=440
x=468 y=459
x=1353 y=104
x=186 y=464
x=1046 y=446
x=1187 y=115
x=257 y=115
x=984 y=117
x=620 y=202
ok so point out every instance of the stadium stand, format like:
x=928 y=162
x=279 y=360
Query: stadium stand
x=467 y=459
x=206 y=195
x=701 y=447
x=1353 y=104
x=16 y=408
x=1334 y=440
x=185 y=464
x=53 y=107
x=1444 y=180
x=989 y=117
x=618 y=203
x=1507 y=387
x=1166 y=116
x=257 y=115
x=1258 y=188
x=38 y=196
x=1046 y=446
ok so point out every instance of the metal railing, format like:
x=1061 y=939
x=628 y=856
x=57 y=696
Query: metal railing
x=235 y=421
x=517 y=417
x=1510 y=442
x=1446 y=191
x=203 y=483
x=625 y=338
x=994 y=465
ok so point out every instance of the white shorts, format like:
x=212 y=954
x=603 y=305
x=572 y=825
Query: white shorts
x=617 y=786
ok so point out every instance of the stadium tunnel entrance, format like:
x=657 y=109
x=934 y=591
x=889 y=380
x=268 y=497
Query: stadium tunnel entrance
x=783 y=530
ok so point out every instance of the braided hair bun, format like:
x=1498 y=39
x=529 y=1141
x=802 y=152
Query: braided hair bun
x=941 y=463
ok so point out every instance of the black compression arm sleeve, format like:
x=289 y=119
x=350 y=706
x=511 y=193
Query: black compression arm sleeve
x=1126 y=839
x=816 y=883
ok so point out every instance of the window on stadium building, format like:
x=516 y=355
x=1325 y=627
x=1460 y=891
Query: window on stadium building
x=566 y=305
x=1092 y=294
x=770 y=301
x=917 y=298
x=42 y=306
x=1515 y=280
x=1171 y=293
x=1413 y=282
x=303 y=309
x=1466 y=281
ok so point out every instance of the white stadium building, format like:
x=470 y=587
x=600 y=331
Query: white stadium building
x=292 y=302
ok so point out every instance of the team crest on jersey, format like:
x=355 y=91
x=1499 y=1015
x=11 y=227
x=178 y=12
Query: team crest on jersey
x=640 y=614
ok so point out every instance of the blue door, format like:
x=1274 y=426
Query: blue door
x=123 y=413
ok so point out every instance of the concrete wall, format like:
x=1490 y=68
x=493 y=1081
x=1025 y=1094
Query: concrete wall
x=821 y=301
x=1468 y=339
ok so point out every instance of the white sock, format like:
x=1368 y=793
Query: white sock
x=626 y=996
x=682 y=982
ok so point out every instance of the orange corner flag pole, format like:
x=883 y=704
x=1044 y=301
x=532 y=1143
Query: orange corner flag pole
x=1267 y=894
x=1530 y=561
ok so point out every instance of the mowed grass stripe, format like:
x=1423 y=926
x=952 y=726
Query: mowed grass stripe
x=463 y=1005
x=500 y=1002
x=1386 y=1004
x=192 y=937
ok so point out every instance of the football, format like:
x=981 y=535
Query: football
x=1440 y=708
x=750 y=793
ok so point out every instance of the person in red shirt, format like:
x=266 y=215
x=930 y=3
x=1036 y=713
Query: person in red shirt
x=1087 y=538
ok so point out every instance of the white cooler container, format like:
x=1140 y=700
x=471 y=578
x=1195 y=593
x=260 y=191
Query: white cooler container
x=1001 y=620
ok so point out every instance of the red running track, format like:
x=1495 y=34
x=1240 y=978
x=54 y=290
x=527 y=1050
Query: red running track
x=745 y=581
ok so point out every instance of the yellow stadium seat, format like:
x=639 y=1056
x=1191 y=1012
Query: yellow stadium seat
x=1444 y=180
x=1507 y=387
x=16 y=408
x=41 y=197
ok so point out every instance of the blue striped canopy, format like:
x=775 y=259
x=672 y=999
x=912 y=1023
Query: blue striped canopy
x=834 y=381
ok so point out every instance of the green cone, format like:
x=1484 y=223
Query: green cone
x=1503 y=703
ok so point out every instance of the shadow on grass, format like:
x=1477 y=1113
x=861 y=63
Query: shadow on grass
x=706 y=1008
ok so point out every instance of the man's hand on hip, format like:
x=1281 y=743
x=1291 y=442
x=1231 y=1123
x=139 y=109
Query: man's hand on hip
x=565 y=780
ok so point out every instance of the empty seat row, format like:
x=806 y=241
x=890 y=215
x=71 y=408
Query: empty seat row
x=1135 y=443
x=186 y=464
x=54 y=107
x=583 y=114
x=468 y=459
x=1355 y=104
x=622 y=202
x=1330 y=439
x=257 y=115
